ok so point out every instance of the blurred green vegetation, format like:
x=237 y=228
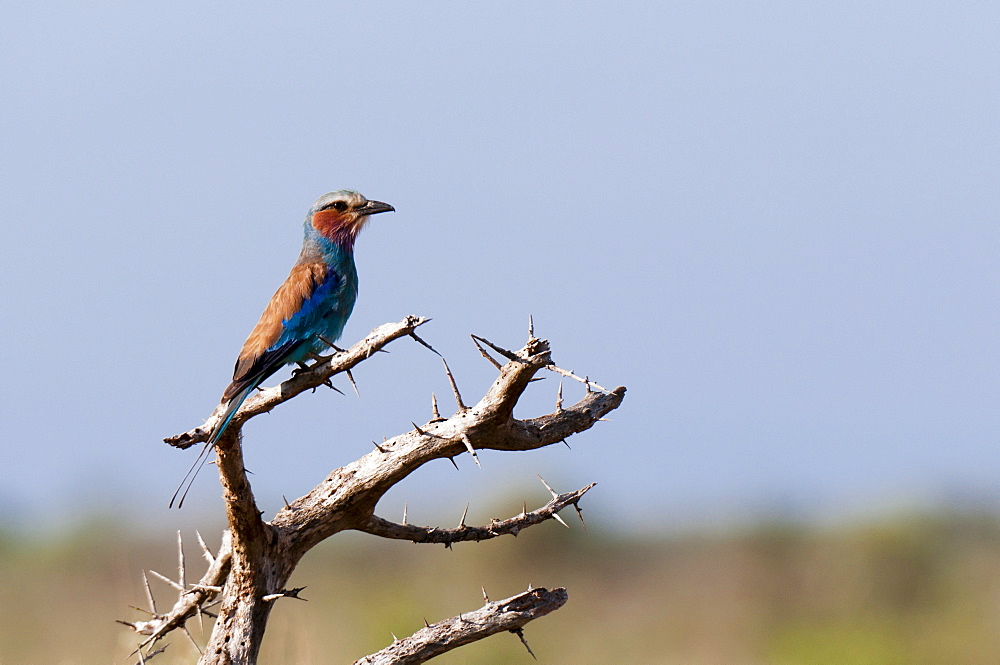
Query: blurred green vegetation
x=910 y=589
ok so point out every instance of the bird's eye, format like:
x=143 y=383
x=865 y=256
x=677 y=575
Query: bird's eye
x=339 y=205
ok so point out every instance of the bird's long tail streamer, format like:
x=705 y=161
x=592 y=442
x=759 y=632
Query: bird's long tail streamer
x=203 y=456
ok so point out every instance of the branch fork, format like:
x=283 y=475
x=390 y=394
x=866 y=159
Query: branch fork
x=256 y=559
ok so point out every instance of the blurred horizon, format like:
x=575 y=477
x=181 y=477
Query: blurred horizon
x=775 y=224
x=909 y=590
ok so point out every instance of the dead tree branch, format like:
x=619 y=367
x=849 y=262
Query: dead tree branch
x=462 y=533
x=191 y=600
x=511 y=614
x=347 y=497
x=257 y=558
x=314 y=377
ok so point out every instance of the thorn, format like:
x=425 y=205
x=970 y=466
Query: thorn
x=286 y=593
x=509 y=355
x=482 y=351
x=169 y=581
x=524 y=509
x=151 y=654
x=330 y=344
x=149 y=594
x=286 y=502
x=350 y=377
x=531 y=327
x=551 y=491
x=454 y=386
x=417 y=337
x=565 y=444
x=453 y=463
x=605 y=420
x=394 y=638
x=536 y=378
x=404 y=512
x=382 y=351
x=556 y=517
x=472 y=451
x=188 y=633
x=520 y=634
x=419 y=431
x=206 y=587
x=378 y=447
x=559 y=400
x=426 y=625
x=205 y=552
x=461 y=522
x=586 y=380
x=180 y=560
x=434 y=407
x=329 y=384
x=485 y=597
x=579 y=513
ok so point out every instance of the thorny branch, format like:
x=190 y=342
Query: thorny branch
x=314 y=377
x=512 y=526
x=511 y=614
x=191 y=600
x=347 y=497
x=249 y=573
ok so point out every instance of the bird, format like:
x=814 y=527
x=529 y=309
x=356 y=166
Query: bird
x=307 y=313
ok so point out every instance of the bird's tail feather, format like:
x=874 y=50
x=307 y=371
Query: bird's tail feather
x=192 y=473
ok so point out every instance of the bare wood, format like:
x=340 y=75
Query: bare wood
x=250 y=572
x=190 y=600
x=313 y=377
x=347 y=497
x=510 y=614
x=512 y=526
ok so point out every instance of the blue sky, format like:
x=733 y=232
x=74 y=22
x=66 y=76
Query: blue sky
x=776 y=224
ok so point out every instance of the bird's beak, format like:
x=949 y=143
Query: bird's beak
x=373 y=208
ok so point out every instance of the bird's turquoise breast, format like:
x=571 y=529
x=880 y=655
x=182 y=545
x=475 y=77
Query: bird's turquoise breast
x=325 y=312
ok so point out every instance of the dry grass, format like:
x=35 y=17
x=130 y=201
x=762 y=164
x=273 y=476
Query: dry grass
x=917 y=590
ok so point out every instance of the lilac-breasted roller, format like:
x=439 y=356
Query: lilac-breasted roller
x=308 y=311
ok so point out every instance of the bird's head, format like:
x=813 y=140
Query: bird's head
x=339 y=216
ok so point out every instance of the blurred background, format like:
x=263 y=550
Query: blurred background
x=774 y=223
